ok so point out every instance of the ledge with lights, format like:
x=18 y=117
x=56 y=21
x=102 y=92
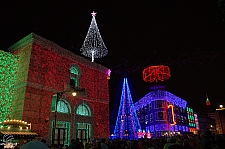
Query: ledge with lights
x=19 y=129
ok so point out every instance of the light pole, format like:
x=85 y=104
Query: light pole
x=74 y=91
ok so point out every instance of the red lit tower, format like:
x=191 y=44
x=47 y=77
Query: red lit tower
x=208 y=105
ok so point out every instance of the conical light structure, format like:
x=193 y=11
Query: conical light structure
x=127 y=123
x=93 y=45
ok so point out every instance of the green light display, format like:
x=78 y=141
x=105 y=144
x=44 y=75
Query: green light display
x=8 y=69
x=23 y=50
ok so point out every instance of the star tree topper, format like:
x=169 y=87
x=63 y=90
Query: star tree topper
x=94 y=13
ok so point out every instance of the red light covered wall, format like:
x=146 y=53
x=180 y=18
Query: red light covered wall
x=49 y=72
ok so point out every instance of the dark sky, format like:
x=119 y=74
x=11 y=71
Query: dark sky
x=186 y=36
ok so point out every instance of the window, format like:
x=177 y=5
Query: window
x=138 y=112
x=159 y=103
x=83 y=110
x=178 y=118
x=145 y=109
x=160 y=115
x=182 y=119
x=151 y=118
x=74 y=76
x=142 y=119
x=150 y=106
x=63 y=107
x=146 y=119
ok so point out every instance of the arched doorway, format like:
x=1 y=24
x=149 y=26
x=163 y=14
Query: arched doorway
x=84 y=122
x=61 y=124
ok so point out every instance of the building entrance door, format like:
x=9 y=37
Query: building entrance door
x=83 y=131
x=59 y=136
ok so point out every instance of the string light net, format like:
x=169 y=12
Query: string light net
x=127 y=123
x=8 y=68
x=93 y=45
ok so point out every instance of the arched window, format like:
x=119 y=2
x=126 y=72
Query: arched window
x=75 y=76
x=63 y=107
x=83 y=110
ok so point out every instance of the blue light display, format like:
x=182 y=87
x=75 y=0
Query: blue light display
x=187 y=129
x=127 y=123
x=152 y=128
x=171 y=128
x=176 y=128
x=184 y=129
x=160 y=94
x=161 y=127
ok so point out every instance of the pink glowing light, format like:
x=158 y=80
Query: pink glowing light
x=94 y=13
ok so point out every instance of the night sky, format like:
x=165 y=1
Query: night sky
x=186 y=36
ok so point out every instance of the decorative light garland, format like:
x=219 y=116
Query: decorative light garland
x=8 y=69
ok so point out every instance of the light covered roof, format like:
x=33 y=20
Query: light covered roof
x=160 y=95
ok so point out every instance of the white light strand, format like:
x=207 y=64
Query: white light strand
x=93 y=45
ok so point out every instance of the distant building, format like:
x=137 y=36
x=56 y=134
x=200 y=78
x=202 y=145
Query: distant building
x=218 y=115
x=208 y=105
x=206 y=122
x=215 y=116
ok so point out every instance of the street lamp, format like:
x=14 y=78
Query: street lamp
x=75 y=92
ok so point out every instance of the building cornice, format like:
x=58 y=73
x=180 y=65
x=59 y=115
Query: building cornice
x=36 y=39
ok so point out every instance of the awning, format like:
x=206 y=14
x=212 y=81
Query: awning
x=18 y=133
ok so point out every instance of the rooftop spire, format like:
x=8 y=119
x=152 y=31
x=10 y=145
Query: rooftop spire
x=208 y=105
x=207 y=99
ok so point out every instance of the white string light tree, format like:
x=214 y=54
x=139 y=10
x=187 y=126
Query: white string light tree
x=93 y=45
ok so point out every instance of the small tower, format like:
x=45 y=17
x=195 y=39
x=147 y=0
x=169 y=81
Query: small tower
x=208 y=105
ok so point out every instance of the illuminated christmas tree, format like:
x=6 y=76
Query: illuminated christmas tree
x=127 y=124
x=93 y=45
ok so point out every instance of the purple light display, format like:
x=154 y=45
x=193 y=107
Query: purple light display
x=157 y=95
x=160 y=127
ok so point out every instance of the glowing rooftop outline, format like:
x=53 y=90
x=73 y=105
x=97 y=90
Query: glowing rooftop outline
x=160 y=95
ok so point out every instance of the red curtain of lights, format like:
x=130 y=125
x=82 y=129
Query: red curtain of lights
x=156 y=73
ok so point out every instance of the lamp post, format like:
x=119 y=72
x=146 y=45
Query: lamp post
x=74 y=91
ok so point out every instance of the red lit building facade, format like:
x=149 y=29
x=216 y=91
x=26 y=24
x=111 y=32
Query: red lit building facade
x=44 y=68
